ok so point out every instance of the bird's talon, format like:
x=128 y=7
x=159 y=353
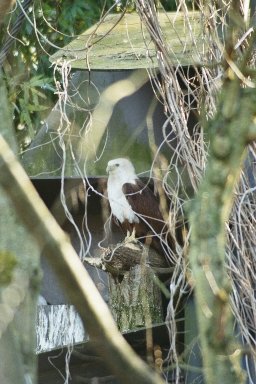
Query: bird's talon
x=130 y=237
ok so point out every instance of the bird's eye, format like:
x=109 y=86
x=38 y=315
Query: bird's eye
x=117 y=165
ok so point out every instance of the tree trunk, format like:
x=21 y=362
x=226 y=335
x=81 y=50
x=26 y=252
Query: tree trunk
x=136 y=301
x=134 y=287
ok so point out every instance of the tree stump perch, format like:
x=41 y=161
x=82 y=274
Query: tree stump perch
x=135 y=295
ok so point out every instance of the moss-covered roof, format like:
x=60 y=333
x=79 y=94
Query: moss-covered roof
x=124 y=43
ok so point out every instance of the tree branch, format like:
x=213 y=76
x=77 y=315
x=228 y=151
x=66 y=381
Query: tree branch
x=120 y=258
x=73 y=276
x=210 y=211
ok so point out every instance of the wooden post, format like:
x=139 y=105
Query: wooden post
x=135 y=301
x=135 y=293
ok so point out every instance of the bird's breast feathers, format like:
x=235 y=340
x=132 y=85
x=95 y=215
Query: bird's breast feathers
x=120 y=207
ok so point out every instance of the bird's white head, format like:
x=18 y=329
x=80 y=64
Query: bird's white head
x=122 y=169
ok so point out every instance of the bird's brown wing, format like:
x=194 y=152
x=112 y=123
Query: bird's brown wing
x=144 y=202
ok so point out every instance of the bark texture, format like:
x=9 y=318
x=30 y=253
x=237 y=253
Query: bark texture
x=134 y=285
x=136 y=300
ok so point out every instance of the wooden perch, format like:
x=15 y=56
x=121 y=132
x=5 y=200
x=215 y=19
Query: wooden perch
x=122 y=257
x=135 y=296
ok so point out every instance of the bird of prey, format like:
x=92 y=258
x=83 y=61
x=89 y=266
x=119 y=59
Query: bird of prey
x=134 y=206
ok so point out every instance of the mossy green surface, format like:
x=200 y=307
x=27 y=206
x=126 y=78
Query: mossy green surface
x=124 y=43
x=8 y=262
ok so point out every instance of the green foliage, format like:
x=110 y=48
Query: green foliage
x=27 y=68
x=168 y=5
x=29 y=100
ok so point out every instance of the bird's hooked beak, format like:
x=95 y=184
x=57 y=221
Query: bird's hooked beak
x=112 y=165
x=110 y=168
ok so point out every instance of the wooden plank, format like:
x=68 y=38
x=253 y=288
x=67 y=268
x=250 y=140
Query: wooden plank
x=124 y=43
x=58 y=326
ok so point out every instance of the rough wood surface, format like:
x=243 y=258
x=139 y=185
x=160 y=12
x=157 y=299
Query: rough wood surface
x=120 y=42
x=58 y=326
x=136 y=301
x=135 y=295
x=119 y=258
